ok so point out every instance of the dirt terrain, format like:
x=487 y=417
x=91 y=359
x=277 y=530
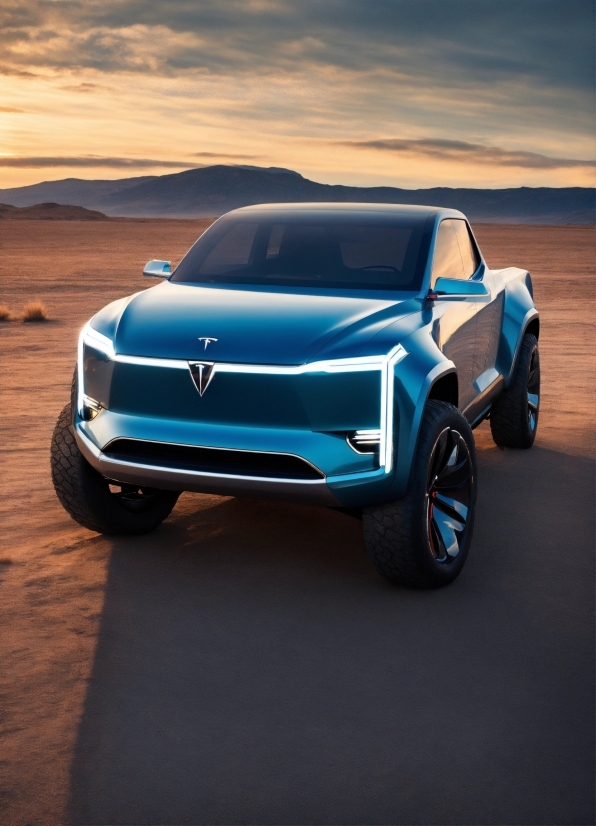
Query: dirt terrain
x=244 y=664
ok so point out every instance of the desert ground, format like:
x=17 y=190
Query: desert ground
x=244 y=663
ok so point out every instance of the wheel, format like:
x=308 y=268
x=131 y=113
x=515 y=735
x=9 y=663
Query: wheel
x=95 y=502
x=514 y=416
x=422 y=540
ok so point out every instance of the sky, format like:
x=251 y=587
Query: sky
x=412 y=93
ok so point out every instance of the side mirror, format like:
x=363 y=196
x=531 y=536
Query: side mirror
x=452 y=289
x=157 y=269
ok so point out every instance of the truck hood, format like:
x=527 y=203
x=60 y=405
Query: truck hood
x=247 y=325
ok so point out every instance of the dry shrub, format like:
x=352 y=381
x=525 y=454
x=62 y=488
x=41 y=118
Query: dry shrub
x=5 y=560
x=4 y=313
x=35 y=311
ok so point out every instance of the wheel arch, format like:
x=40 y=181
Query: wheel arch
x=445 y=388
x=438 y=381
x=533 y=327
x=529 y=324
x=519 y=317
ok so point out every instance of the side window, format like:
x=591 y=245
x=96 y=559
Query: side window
x=277 y=232
x=466 y=247
x=447 y=261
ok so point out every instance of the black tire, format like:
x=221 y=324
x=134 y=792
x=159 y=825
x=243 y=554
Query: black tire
x=421 y=540
x=96 y=503
x=514 y=416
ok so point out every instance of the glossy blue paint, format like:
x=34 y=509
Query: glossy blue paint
x=297 y=369
x=518 y=311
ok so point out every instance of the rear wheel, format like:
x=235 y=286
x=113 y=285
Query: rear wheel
x=514 y=416
x=423 y=539
x=98 y=503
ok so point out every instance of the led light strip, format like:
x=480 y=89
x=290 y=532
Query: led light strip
x=330 y=366
x=106 y=346
x=98 y=341
x=387 y=392
x=358 y=364
x=81 y=372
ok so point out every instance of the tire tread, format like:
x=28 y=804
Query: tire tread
x=84 y=493
x=66 y=476
x=389 y=528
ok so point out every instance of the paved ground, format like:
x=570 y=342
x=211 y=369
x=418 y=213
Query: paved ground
x=245 y=664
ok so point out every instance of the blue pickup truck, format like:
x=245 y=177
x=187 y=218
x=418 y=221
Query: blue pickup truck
x=328 y=353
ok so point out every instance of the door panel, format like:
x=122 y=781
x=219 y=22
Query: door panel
x=488 y=327
x=455 y=335
x=455 y=321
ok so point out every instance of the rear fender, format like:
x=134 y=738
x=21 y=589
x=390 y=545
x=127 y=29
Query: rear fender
x=518 y=313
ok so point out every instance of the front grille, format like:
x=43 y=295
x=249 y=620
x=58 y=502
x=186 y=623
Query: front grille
x=212 y=460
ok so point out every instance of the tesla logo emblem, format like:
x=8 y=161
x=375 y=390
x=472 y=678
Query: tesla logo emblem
x=202 y=373
x=208 y=341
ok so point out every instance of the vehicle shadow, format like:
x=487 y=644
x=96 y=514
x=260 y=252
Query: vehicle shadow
x=252 y=668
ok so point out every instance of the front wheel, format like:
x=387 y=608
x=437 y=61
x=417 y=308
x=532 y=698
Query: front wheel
x=423 y=539
x=97 y=503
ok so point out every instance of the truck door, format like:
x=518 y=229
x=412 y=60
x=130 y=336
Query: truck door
x=489 y=312
x=454 y=322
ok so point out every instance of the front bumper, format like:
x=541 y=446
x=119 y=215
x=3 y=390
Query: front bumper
x=338 y=490
x=313 y=491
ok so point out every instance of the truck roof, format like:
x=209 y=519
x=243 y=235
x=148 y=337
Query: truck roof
x=351 y=207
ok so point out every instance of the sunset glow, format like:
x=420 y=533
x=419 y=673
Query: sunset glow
x=404 y=94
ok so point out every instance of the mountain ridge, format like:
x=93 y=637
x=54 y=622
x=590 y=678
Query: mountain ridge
x=212 y=190
x=50 y=212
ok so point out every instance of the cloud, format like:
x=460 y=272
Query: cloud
x=452 y=150
x=91 y=161
x=283 y=78
x=12 y=69
x=224 y=155
x=87 y=87
x=546 y=40
x=26 y=162
x=11 y=109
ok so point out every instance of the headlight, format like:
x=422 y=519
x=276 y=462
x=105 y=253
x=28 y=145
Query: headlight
x=371 y=441
x=352 y=365
x=364 y=441
x=90 y=340
x=98 y=341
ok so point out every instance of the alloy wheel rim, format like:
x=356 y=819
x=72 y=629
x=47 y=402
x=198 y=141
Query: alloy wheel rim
x=448 y=494
x=533 y=390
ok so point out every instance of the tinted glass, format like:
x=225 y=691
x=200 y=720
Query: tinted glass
x=466 y=247
x=334 y=250
x=233 y=252
x=447 y=260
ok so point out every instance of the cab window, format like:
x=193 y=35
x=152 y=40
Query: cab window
x=447 y=260
x=466 y=247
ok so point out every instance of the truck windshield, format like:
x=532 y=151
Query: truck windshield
x=375 y=251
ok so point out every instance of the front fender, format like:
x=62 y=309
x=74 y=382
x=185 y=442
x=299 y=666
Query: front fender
x=414 y=377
